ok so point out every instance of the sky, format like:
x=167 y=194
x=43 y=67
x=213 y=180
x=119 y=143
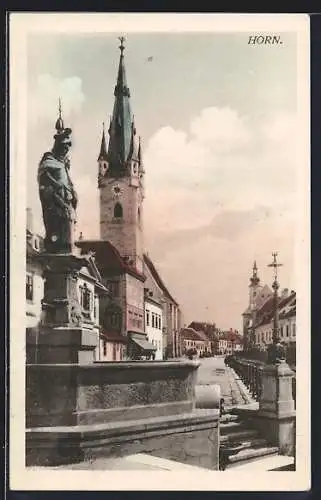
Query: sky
x=218 y=120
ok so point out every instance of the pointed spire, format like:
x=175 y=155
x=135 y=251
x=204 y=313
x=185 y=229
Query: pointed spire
x=254 y=280
x=103 y=148
x=59 y=123
x=121 y=127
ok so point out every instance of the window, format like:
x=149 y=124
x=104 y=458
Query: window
x=287 y=330
x=153 y=320
x=160 y=323
x=118 y=211
x=147 y=317
x=113 y=318
x=293 y=330
x=29 y=287
x=105 y=348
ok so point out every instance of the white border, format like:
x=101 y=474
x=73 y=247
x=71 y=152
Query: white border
x=26 y=479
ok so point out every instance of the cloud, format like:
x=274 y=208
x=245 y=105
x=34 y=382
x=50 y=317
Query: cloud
x=222 y=130
x=45 y=93
x=222 y=161
x=223 y=192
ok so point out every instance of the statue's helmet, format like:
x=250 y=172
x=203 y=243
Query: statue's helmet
x=63 y=136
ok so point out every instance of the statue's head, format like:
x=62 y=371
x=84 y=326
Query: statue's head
x=62 y=143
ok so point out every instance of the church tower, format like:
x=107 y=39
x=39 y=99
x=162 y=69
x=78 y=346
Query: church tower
x=121 y=176
x=254 y=287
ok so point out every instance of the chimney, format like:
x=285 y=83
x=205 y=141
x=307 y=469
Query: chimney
x=285 y=293
x=29 y=220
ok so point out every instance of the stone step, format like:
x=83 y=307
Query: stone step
x=248 y=455
x=239 y=436
x=266 y=463
x=245 y=444
x=231 y=426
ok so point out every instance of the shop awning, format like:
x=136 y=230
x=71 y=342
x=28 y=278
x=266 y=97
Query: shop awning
x=143 y=343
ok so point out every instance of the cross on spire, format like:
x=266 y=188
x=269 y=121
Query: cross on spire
x=275 y=265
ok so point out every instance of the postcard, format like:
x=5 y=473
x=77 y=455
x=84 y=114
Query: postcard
x=159 y=215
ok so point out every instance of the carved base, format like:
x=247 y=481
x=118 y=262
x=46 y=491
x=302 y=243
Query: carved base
x=60 y=303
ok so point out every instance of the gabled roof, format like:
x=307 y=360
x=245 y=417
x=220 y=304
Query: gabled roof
x=208 y=329
x=264 y=315
x=107 y=258
x=158 y=279
x=191 y=334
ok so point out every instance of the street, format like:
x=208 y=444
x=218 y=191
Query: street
x=214 y=371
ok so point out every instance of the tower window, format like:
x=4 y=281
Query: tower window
x=118 y=211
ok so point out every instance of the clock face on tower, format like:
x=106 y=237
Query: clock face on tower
x=116 y=190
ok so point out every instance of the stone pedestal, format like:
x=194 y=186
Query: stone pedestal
x=61 y=345
x=63 y=336
x=276 y=407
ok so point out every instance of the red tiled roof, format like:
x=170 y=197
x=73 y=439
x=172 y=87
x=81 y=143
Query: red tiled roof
x=208 y=329
x=108 y=258
x=158 y=279
x=191 y=334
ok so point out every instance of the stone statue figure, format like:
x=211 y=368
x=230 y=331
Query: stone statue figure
x=57 y=194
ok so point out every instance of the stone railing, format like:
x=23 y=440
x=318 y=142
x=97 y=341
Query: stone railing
x=250 y=372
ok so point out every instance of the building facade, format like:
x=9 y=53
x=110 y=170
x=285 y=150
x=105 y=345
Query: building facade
x=209 y=330
x=194 y=342
x=263 y=326
x=258 y=317
x=172 y=317
x=230 y=342
x=154 y=324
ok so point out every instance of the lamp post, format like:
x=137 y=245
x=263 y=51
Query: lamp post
x=275 y=351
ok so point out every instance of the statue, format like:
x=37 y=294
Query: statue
x=57 y=194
